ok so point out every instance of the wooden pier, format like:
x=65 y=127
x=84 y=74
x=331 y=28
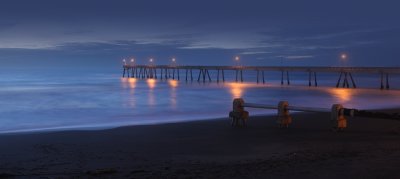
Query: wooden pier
x=345 y=74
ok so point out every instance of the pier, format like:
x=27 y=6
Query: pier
x=345 y=74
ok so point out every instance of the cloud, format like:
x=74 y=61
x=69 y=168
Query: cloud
x=295 y=57
x=253 y=52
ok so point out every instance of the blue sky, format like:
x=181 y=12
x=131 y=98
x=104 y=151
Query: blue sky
x=309 y=32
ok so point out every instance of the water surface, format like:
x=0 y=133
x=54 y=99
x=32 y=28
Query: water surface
x=58 y=100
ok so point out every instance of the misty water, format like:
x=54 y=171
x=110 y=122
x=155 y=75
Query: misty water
x=46 y=99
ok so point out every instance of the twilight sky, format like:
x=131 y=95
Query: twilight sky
x=207 y=32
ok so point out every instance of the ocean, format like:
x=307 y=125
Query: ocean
x=65 y=99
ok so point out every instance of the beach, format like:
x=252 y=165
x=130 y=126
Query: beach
x=368 y=148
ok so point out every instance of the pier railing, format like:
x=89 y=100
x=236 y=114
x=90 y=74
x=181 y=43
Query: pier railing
x=345 y=74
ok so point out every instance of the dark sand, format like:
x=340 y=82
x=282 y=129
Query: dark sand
x=369 y=148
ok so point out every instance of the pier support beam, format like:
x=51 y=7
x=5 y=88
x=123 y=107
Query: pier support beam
x=310 y=77
x=387 y=81
x=241 y=75
x=217 y=75
x=178 y=73
x=186 y=75
x=208 y=74
x=345 y=81
x=315 y=79
x=223 y=76
x=191 y=74
x=263 y=76
x=236 y=75
x=200 y=72
x=287 y=77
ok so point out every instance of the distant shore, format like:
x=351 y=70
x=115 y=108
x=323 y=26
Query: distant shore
x=369 y=148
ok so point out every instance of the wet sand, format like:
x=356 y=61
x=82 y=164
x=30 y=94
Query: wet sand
x=369 y=148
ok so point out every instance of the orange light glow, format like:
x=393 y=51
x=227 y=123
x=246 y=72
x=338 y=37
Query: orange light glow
x=132 y=82
x=151 y=83
x=173 y=83
x=343 y=95
x=237 y=89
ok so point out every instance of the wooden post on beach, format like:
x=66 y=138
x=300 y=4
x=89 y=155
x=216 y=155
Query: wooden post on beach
x=339 y=121
x=284 y=118
x=238 y=113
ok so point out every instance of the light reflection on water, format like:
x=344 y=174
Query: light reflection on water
x=237 y=89
x=173 y=84
x=343 y=95
x=114 y=101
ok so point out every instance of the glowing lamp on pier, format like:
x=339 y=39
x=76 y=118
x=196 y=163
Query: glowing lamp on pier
x=124 y=61
x=343 y=56
x=173 y=61
x=151 y=60
x=237 y=59
x=132 y=61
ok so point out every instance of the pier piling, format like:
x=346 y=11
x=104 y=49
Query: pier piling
x=346 y=78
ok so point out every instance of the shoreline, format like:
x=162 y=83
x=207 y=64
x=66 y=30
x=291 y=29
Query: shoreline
x=369 y=148
x=114 y=126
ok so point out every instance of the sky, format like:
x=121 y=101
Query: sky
x=100 y=33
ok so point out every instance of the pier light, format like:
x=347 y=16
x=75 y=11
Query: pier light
x=124 y=61
x=132 y=61
x=151 y=60
x=173 y=60
x=237 y=60
x=343 y=56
